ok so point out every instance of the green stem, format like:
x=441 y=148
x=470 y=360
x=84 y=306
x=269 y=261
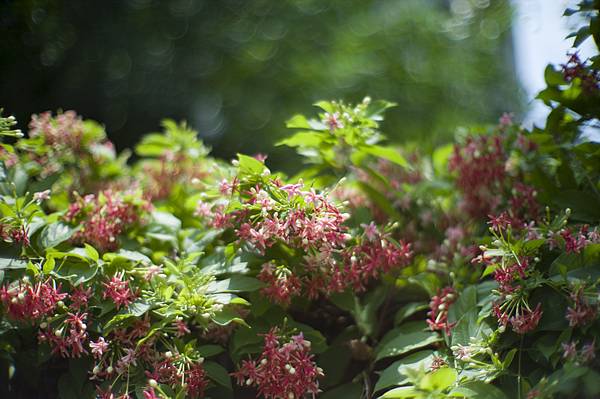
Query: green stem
x=519 y=371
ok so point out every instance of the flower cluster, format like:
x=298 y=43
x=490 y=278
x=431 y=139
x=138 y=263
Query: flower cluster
x=438 y=310
x=29 y=302
x=581 y=312
x=575 y=69
x=283 y=370
x=309 y=223
x=15 y=234
x=586 y=354
x=480 y=168
x=69 y=338
x=119 y=291
x=576 y=241
x=305 y=219
x=373 y=255
x=170 y=169
x=103 y=217
x=123 y=352
x=352 y=266
x=66 y=129
x=487 y=181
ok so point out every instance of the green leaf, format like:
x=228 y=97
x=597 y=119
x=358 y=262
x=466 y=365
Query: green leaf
x=553 y=77
x=249 y=165
x=218 y=374
x=75 y=270
x=210 y=350
x=49 y=265
x=235 y=284
x=439 y=379
x=388 y=153
x=227 y=316
x=440 y=158
x=401 y=392
x=56 y=233
x=404 y=339
x=477 y=390
x=297 y=122
x=133 y=311
x=303 y=139
x=12 y=263
x=395 y=373
x=167 y=220
x=134 y=256
x=325 y=106
x=408 y=310
x=91 y=252
x=137 y=308
x=464 y=313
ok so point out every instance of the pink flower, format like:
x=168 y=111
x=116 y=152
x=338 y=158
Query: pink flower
x=152 y=271
x=282 y=370
x=181 y=328
x=99 y=348
x=104 y=217
x=575 y=243
x=581 y=313
x=150 y=394
x=80 y=297
x=41 y=196
x=196 y=380
x=588 y=352
x=26 y=302
x=370 y=231
x=527 y=320
x=281 y=284
x=333 y=121
x=69 y=338
x=438 y=313
x=119 y=291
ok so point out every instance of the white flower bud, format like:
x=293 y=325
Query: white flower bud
x=152 y=382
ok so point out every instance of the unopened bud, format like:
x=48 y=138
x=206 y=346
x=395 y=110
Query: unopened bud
x=152 y=382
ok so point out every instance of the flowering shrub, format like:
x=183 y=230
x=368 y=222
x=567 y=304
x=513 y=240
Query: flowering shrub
x=470 y=271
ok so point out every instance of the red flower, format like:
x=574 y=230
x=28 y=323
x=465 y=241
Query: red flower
x=282 y=370
x=25 y=302
x=119 y=291
x=438 y=313
x=527 y=320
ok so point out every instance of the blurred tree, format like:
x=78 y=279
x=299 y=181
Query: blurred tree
x=237 y=69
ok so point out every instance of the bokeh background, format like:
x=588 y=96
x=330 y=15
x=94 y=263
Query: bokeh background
x=237 y=69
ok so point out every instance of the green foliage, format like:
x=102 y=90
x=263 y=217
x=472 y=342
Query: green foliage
x=469 y=271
